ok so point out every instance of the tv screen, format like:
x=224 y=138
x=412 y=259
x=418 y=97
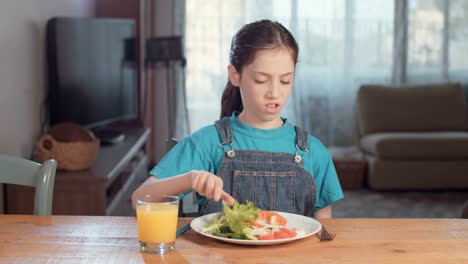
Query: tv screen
x=92 y=80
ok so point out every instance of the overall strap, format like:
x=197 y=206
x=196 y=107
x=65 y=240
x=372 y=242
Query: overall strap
x=224 y=129
x=301 y=142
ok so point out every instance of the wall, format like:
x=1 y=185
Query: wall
x=128 y=9
x=22 y=67
x=118 y=9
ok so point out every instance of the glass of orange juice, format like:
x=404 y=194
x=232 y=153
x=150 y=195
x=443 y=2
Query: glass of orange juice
x=157 y=222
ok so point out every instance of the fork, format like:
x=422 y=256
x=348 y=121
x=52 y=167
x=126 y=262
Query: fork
x=325 y=235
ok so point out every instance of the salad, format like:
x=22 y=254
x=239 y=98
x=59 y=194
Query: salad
x=246 y=221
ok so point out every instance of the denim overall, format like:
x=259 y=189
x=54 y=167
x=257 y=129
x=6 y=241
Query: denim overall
x=271 y=180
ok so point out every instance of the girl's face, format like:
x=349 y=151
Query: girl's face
x=265 y=86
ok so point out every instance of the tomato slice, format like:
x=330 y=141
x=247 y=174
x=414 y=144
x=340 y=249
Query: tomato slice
x=284 y=233
x=271 y=218
x=267 y=237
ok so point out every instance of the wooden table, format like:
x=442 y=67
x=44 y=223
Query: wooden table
x=101 y=239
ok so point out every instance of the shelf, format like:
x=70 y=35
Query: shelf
x=124 y=191
x=98 y=190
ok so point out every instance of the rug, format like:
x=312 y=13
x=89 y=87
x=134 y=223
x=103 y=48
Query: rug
x=364 y=203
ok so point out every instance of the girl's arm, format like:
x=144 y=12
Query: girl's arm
x=168 y=186
x=203 y=182
x=325 y=212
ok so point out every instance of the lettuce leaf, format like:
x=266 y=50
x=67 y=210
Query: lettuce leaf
x=233 y=221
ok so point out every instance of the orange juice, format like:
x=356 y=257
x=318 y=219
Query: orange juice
x=157 y=223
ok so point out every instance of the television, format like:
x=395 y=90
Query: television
x=91 y=71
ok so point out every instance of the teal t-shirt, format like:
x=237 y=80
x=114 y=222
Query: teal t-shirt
x=201 y=151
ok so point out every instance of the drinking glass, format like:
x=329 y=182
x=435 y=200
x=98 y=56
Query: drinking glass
x=157 y=222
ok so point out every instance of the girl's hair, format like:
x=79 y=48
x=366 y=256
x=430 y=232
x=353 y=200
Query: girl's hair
x=259 y=35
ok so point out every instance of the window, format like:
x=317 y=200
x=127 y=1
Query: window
x=343 y=44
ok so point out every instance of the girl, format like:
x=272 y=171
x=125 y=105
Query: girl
x=252 y=153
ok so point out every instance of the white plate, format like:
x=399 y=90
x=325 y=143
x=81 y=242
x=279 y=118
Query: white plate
x=304 y=226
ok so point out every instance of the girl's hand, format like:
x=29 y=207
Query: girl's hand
x=210 y=186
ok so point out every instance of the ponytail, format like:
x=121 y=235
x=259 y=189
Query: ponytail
x=231 y=100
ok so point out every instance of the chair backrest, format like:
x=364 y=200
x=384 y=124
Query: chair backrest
x=465 y=210
x=170 y=143
x=19 y=171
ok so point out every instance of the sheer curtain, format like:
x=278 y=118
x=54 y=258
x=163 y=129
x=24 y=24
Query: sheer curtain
x=165 y=95
x=437 y=41
x=343 y=44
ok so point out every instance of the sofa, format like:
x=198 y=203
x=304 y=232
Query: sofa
x=414 y=137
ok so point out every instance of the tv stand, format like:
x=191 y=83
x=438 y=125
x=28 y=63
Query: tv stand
x=103 y=189
x=109 y=135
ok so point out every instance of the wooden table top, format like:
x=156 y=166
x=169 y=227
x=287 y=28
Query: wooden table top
x=102 y=239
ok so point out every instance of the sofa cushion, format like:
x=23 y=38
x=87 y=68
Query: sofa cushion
x=418 y=146
x=436 y=107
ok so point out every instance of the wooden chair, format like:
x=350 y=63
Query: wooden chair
x=19 y=171
x=465 y=210
x=170 y=143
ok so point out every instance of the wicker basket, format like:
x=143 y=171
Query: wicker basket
x=351 y=173
x=74 y=154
